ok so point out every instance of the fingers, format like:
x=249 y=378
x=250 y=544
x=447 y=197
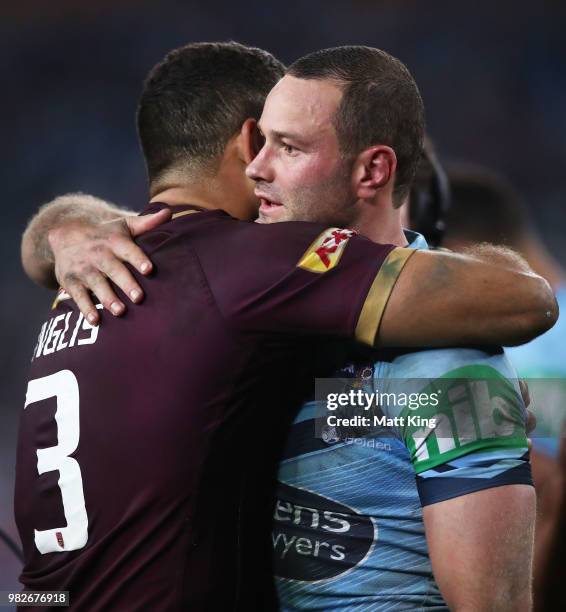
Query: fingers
x=121 y=248
x=93 y=254
x=525 y=391
x=92 y=281
x=531 y=418
x=143 y=223
x=531 y=421
x=91 y=267
x=119 y=274
x=98 y=284
x=82 y=299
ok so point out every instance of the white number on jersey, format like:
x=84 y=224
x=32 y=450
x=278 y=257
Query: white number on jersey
x=64 y=387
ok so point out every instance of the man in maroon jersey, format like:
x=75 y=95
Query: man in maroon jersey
x=146 y=492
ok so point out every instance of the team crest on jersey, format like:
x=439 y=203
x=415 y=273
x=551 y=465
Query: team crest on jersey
x=325 y=252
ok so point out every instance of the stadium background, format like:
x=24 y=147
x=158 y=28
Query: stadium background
x=491 y=74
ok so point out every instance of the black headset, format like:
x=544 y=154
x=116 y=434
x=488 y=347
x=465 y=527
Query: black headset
x=429 y=201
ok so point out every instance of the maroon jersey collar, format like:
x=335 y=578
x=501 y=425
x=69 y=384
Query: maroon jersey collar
x=154 y=207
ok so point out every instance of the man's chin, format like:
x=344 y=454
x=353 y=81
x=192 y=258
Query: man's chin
x=273 y=216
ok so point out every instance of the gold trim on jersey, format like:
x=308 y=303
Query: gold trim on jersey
x=61 y=295
x=378 y=295
x=183 y=213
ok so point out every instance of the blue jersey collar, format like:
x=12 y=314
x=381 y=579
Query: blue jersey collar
x=415 y=240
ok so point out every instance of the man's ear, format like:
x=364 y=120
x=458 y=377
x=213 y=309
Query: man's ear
x=374 y=169
x=250 y=140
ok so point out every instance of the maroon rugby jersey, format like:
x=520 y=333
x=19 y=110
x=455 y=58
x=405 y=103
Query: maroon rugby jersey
x=135 y=487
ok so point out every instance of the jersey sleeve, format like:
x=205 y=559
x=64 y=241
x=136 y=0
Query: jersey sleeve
x=468 y=432
x=301 y=278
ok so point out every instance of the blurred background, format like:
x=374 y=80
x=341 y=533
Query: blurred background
x=492 y=75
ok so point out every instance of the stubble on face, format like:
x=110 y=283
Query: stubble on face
x=327 y=201
x=315 y=183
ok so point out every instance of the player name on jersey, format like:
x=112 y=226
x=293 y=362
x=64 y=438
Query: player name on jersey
x=65 y=331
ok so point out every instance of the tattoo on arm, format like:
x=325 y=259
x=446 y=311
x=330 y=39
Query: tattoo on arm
x=37 y=255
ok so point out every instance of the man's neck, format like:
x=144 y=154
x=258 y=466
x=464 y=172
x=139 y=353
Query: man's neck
x=381 y=224
x=177 y=195
x=226 y=188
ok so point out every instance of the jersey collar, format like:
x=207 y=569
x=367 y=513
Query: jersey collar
x=415 y=240
x=177 y=209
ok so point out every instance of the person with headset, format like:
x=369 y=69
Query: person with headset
x=430 y=198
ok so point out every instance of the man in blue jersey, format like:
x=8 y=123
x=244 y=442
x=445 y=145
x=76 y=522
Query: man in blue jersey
x=376 y=473
x=473 y=464
x=303 y=125
x=348 y=525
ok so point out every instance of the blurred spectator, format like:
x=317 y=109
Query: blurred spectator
x=550 y=593
x=486 y=208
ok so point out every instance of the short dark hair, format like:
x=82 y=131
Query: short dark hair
x=380 y=103
x=485 y=208
x=197 y=98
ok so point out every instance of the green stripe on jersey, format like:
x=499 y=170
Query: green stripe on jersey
x=478 y=409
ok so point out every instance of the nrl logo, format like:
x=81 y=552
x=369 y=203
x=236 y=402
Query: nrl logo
x=325 y=252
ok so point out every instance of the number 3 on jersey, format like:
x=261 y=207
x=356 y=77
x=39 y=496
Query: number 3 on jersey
x=64 y=387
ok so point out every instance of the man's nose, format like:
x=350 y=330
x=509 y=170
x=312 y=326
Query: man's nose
x=259 y=169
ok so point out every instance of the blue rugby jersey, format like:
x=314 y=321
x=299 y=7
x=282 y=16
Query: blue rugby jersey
x=348 y=531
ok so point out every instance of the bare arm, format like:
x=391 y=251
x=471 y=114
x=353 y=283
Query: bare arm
x=79 y=242
x=69 y=210
x=488 y=296
x=481 y=548
x=439 y=299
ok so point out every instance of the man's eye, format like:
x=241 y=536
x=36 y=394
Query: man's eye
x=289 y=149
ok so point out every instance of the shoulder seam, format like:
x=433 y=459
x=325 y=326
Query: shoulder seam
x=206 y=285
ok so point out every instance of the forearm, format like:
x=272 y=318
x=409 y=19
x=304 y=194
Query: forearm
x=37 y=256
x=499 y=255
x=536 y=292
x=446 y=298
x=533 y=293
